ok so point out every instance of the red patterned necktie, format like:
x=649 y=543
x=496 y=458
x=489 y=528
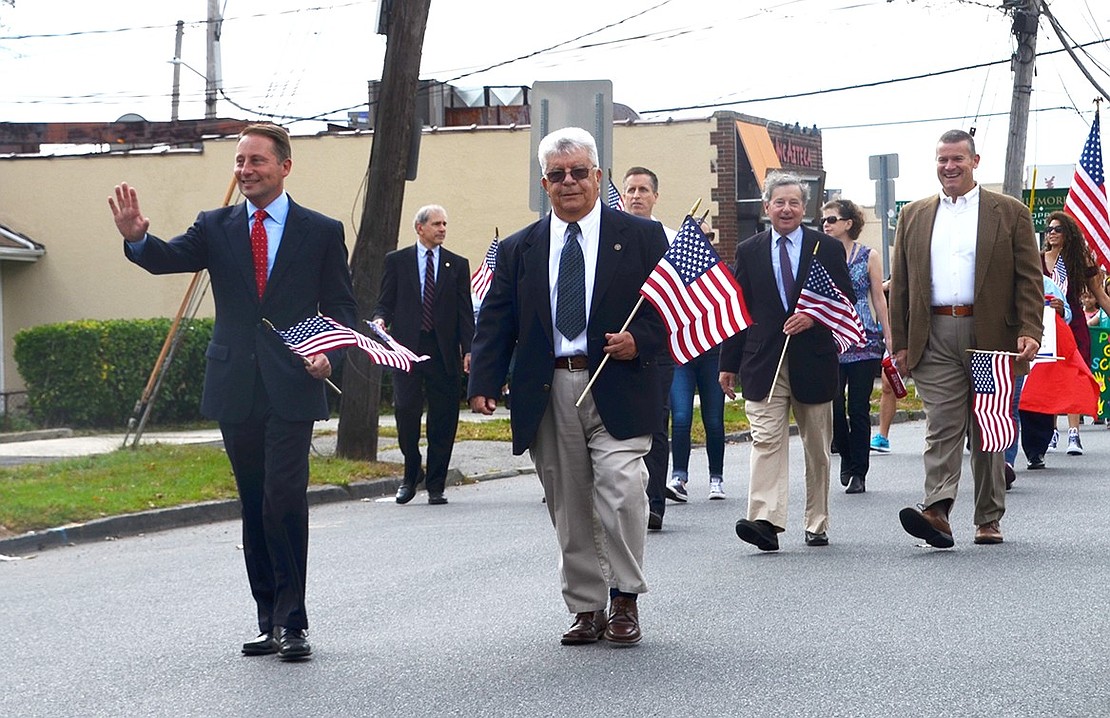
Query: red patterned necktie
x=429 y=291
x=260 y=250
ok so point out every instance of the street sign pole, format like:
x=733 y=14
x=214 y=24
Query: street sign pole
x=883 y=169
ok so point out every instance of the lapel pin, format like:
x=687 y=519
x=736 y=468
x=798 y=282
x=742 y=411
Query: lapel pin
x=617 y=246
x=446 y=264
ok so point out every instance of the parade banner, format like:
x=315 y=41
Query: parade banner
x=1100 y=367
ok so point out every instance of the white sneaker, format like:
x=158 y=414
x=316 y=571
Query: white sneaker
x=1075 y=447
x=676 y=490
x=716 y=489
x=1055 y=439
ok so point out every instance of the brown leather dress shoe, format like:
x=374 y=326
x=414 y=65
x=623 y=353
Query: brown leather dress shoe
x=930 y=525
x=988 y=533
x=587 y=628
x=624 y=621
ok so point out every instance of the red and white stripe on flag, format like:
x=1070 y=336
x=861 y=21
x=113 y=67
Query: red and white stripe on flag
x=483 y=275
x=696 y=295
x=992 y=380
x=1086 y=200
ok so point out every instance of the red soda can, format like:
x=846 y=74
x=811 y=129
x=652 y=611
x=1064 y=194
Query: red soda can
x=892 y=375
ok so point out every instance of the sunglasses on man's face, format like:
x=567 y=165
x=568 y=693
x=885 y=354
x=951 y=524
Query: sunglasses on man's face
x=578 y=174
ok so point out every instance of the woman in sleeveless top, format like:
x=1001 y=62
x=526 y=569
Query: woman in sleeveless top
x=843 y=220
x=1069 y=262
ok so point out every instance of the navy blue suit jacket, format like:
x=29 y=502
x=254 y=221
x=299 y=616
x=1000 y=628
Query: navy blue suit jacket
x=812 y=362
x=310 y=274
x=400 y=303
x=516 y=315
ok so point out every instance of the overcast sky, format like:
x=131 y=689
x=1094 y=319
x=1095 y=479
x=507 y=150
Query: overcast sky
x=98 y=61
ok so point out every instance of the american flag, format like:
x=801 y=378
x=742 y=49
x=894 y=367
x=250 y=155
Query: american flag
x=826 y=304
x=614 y=199
x=483 y=275
x=696 y=295
x=993 y=383
x=393 y=344
x=322 y=334
x=1087 y=197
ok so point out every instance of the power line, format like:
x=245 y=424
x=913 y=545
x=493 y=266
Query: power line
x=861 y=86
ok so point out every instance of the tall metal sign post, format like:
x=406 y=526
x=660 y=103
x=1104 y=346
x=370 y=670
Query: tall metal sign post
x=883 y=169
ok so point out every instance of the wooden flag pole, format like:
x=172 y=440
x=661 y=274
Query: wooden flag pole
x=188 y=307
x=627 y=321
x=787 y=342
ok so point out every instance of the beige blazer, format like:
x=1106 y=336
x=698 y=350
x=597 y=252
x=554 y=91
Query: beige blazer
x=1009 y=291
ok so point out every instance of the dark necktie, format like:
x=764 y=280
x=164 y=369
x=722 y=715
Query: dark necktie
x=786 y=270
x=429 y=291
x=570 y=307
x=260 y=250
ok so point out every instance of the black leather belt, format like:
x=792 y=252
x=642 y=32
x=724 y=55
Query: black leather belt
x=578 y=362
x=958 y=310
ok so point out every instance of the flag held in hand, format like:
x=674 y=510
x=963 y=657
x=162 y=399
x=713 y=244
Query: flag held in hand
x=483 y=275
x=696 y=295
x=319 y=334
x=823 y=301
x=992 y=379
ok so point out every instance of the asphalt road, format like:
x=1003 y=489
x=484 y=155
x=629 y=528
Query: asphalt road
x=455 y=611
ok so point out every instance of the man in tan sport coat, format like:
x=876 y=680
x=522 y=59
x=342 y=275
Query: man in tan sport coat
x=965 y=275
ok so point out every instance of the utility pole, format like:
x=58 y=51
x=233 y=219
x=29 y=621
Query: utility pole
x=212 y=70
x=175 y=102
x=404 y=22
x=1026 y=15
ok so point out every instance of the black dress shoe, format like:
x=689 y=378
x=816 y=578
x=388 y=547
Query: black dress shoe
x=405 y=492
x=759 y=533
x=856 y=485
x=845 y=477
x=655 y=521
x=817 y=539
x=293 y=644
x=436 y=498
x=264 y=645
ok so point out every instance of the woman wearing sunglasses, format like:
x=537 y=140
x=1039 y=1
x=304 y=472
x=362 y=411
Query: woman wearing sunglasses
x=843 y=220
x=1069 y=262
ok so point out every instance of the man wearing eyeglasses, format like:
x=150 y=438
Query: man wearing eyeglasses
x=562 y=292
x=771 y=268
x=965 y=275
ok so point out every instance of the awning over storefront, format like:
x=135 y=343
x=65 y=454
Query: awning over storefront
x=759 y=149
x=17 y=247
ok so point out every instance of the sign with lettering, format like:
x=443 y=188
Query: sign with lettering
x=1045 y=202
x=1100 y=367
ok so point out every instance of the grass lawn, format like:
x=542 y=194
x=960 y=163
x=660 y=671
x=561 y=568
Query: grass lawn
x=39 y=496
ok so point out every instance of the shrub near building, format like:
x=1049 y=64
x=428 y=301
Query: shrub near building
x=90 y=374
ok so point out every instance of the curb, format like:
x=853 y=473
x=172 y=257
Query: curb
x=137 y=524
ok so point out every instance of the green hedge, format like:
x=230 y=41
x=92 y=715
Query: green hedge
x=88 y=373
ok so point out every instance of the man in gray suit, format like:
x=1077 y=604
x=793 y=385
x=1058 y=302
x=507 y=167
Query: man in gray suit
x=965 y=275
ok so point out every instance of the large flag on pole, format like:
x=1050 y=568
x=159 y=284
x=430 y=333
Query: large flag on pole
x=696 y=295
x=822 y=300
x=320 y=334
x=483 y=275
x=613 y=198
x=1087 y=197
x=992 y=378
